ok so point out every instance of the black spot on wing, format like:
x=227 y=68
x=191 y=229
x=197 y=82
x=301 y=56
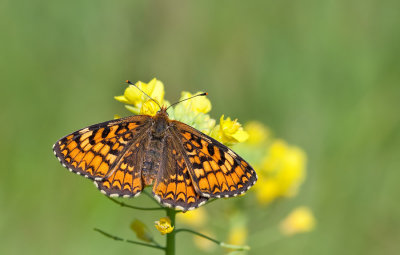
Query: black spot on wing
x=105 y=132
x=210 y=149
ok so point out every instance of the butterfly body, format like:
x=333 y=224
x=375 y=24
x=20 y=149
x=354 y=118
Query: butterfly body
x=185 y=166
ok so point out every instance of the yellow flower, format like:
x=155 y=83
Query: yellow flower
x=198 y=104
x=141 y=230
x=238 y=235
x=299 y=220
x=136 y=99
x=193 y=112
x=238 y=232
x=258 y=133
x=267 y=190
x=195 y=218
x=149 y=108
x=281 y=172
x=164 y=225
x=229 y=131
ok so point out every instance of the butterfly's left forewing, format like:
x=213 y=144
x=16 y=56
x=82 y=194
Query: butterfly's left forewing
x=94 y=151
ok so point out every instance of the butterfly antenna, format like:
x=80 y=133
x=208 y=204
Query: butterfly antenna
x=129 y=82
x=198 y=95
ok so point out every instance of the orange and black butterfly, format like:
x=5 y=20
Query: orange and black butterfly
x=185 y=166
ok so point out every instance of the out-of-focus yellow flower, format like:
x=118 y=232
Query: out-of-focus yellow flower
x=258 y=133
x=204 y=244
x=281 y=172
x=136 y=99
x=238 y=235
x=229 y=131
x=195 y=218
x=299 y=220
x=164 y=225
x=141 y=230
x=238 y=231
x=267 y=190
x=198 y=104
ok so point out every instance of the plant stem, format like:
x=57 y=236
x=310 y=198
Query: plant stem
x=135 y=207
x=116 y=238
x=170 y=247
x=198 y=234
x=230 y=246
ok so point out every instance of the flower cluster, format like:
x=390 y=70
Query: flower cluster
x=280 y=167
x=193 y=112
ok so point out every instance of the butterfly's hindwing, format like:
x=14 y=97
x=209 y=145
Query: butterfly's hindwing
x=173 y=186
x=95 y=150
x=217 y=170
x=125 y=180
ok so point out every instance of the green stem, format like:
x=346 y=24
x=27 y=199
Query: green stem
x=151 y=197
x=116 y=238
x=170 y=247
x=230 y=246
x=135 y=207
x=198 y=234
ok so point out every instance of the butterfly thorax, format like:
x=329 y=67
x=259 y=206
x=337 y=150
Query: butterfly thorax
x=160 y=123
x=155 y=146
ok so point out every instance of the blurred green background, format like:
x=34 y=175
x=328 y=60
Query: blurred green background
x=323 y=75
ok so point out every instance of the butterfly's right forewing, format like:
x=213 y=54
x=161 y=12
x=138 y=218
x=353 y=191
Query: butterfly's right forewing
x=215 y=169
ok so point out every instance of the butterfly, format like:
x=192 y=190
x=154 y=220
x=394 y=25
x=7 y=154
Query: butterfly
x=185 y=166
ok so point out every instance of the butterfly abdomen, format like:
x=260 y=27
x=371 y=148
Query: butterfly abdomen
x=151 y=161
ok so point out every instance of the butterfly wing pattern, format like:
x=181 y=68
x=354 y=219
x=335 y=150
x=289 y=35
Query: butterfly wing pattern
x=173 y=186
x=103 y=153
x=216 y=169
x=185 y=166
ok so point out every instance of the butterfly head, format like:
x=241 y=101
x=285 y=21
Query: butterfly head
x=163 y=111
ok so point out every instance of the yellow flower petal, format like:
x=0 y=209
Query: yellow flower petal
x=149 y=108
x=132 y=109
x=164 y=225
x=155 y=89
x=141 y=230
x=122 y=99
x=133 y=95
x=199 y=104
x=240 y=135
x=299 y=220
x=229 y=131
x=258 y=133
